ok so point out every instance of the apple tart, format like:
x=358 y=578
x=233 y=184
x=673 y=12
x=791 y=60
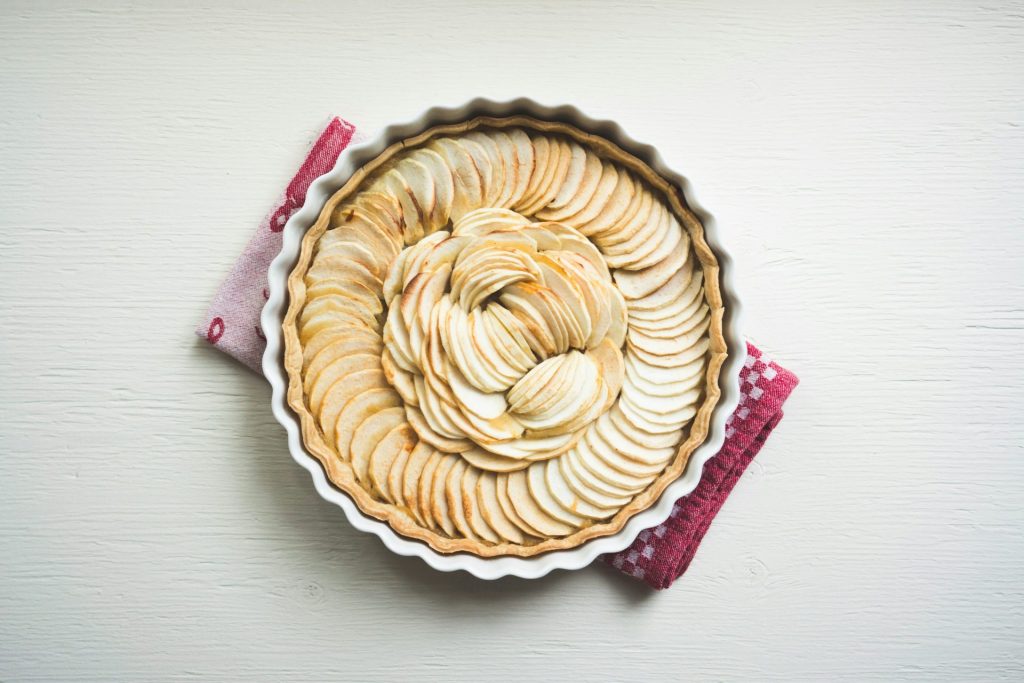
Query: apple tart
x=504 y=337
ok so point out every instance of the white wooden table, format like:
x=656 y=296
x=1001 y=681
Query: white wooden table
x=866 y=162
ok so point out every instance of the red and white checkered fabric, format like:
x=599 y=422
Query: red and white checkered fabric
x=659 y=555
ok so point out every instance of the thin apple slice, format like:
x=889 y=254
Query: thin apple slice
x=584 y=490
x=482 y=161
x=316 y=343
x=597 y=467
x=485 y=405
x=625 y=201
x=636 y=284
x=471 y=506
x=368 y=434
x=671 y=345
x=543 y=447
x=573 y=461
x=338 y=369
x=485 y=460
x=602 y=196
x=427 y=433
x=666 y=440
x=339 y=394
x=453 y=496
x=438 y=494
x=468 y=183
x=525 y=162
x=396 y=444
x=444 y=184
x=527 y=508
x=672 y=290
x=356 y=410
x=648 y=238
x=424 y=490
x=632 y=443
x=540 y=492
x=566 y=497
x=574 y=177
x=572 y=199
x=554 y=177
x=339 y=347
x=505 y=502
x=544 y=155
x=498 y=189
x=492 y=512
x=410 y=479
x=636 y=217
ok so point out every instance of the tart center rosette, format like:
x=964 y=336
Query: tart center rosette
x=503 y=338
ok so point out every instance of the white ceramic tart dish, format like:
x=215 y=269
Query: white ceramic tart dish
x=502 y=337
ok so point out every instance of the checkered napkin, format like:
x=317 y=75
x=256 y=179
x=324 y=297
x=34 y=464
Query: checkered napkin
x=658 y=556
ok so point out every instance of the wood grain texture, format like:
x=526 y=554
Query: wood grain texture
x=866 y=162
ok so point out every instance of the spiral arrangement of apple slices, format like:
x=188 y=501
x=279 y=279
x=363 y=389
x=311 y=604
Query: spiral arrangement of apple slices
x=504 y=335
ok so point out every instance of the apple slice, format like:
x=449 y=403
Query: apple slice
x=636 y=217
x=664 y=346
x=338 y=369
x=492 y=512
x=409 y=482
x=340 y=393
x=316 y=343
x=634 y=444
x=356 y=411
x=574 y=179
x=597 y=467
x=340 y=347
x=396 y=443
x=624 y=201
x=572 y=199
x=636 y=284
x=484 y=405
x=545 y=157
x=471 y=506
x=566 y=498
x=593 y=483
x=554 y=177
x=395 y=482
x=584 y=491
x=402 y=381
x=666 y=440
x=453 y=496
x=527 y=508
x=427 y=433
x=354 y=291
x=467 y=181
x=424 y=490
x=648 y=238
x=538 y=487
x=505 y=502
x=602 y=196
x=481 y=159
x=368 y=434
x=438 y=498
x=327 y=312
x=485 y=460
x=669 y=292
x=444 y=184
x=498 y=189
x=544 y=447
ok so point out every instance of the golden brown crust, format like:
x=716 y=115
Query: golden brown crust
x=340 y=473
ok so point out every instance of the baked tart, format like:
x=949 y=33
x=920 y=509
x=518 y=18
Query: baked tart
x=504 y=337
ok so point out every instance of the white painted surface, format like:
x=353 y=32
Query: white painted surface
x=868 y=161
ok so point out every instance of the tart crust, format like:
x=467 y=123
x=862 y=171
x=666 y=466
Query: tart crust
x=340 y=473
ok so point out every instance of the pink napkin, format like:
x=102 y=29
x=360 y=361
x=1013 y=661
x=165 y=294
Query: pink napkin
x=658 y=556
